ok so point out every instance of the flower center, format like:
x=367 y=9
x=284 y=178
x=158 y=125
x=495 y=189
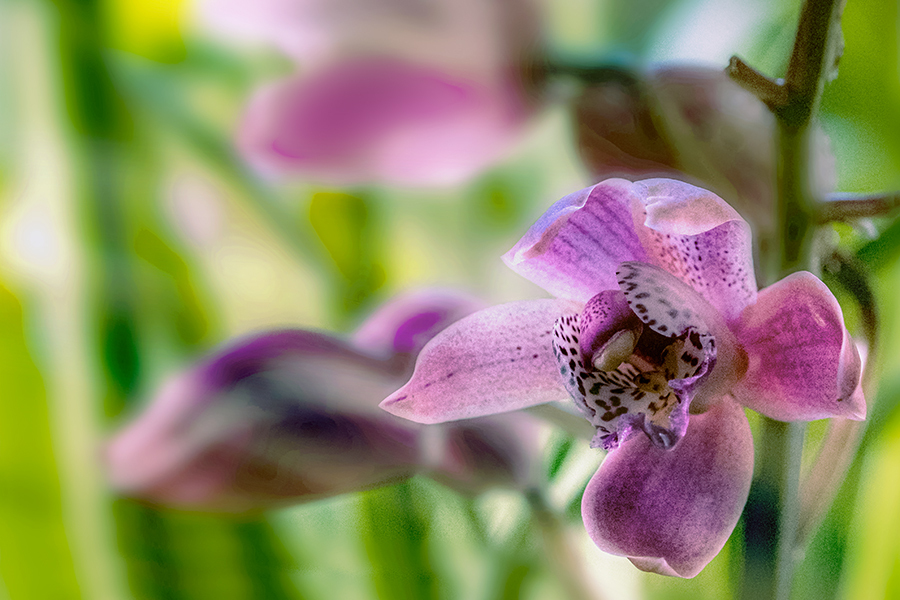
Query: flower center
x=626 y=375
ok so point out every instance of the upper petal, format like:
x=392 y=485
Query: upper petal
x=699 y=238
x=573 y=250
x=803 y=364
x=496 y=360
x=671 y=511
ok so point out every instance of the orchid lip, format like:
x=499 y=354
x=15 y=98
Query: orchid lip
x=639 y=380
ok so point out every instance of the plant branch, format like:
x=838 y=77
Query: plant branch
x=847 y=207
x=772 y=516
x=772 y=93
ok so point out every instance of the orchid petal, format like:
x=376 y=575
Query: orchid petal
x=378 y=118
x=572 y=251
x=803 y=364
x=406 y=323
x=699 y=238
x=671 y=511
x=496 y=360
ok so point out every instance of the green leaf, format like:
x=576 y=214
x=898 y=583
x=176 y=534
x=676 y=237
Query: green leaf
x=395 y=538
x=36 y=560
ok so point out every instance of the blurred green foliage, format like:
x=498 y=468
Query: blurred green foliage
x=132 y=101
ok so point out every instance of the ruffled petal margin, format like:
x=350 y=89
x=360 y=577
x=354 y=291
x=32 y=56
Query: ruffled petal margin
x=696 y=236
x=574 y=248
x=671 y=511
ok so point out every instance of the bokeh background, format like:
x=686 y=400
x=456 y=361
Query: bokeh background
x=134 y=238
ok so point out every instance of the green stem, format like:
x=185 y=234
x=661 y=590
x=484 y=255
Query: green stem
x=770 y=521
x=772 y=515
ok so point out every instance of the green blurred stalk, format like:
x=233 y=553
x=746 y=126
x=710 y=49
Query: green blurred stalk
x=33 y=538
x=772 y=514
x=150 y=539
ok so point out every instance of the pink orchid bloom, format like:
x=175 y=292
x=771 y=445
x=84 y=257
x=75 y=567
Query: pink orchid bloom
x=292 y=415
x=391 y=91
x=659 y=336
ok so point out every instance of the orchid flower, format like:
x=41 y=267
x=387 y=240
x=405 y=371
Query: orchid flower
x=660 y=336
x=388 y=91
x=292 y=415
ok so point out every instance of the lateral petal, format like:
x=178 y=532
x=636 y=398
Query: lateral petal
x=803 y=364
x=496 y=360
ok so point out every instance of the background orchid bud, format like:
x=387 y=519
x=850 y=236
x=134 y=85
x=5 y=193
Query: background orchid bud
x=292 y=415
x=694 y=121
x=394 y=92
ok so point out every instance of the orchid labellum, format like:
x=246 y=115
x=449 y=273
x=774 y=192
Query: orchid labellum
x=660 y=336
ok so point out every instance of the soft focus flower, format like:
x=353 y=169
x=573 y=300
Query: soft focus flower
x=389 y=90
x=292 y=415
x=659 y=336
x=693 y=120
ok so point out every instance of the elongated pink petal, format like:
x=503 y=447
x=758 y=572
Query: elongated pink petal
x=497 y=360
x=380 y=119
x=406 y=323
x=803 y=364
x=574 y=248
x=671 y=511
x=699 y=238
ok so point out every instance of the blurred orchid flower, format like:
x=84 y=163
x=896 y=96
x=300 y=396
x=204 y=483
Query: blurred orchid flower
x=292 y=415
x=659 y=337
x=394 y=91
x=692 y=120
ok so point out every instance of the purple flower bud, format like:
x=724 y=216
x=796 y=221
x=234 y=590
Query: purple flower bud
x=292 y=415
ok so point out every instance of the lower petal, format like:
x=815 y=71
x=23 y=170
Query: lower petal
x=803 y=364
x=671 y=511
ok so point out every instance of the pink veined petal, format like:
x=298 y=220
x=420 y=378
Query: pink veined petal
x=408 y=321
x=803 y=364
x=573 y=250
x=496 y=360
x=699 y=238
x=378 y=118
x=671 y=511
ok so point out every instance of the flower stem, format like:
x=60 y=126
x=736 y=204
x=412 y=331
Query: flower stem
x=772 y=514
x=771 y=517
x=847 y=207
